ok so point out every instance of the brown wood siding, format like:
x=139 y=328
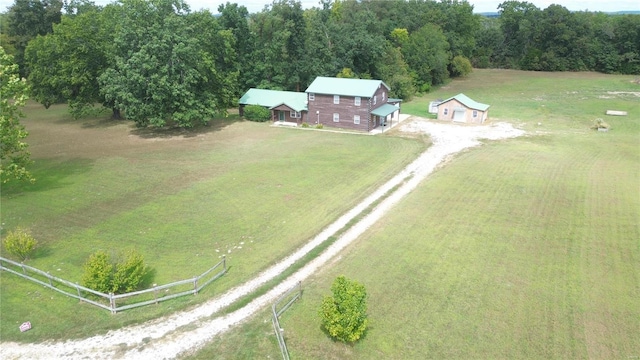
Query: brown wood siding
x=287 y=116
x=323 y=104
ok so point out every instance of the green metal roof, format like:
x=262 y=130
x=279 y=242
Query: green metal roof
x=466 y=101
x=272 y=98
x=345 y=87
x=384 y=110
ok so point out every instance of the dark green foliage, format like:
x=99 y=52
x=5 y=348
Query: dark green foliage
x=344 y=315
x=26 y=19
x=171 y=67
x=20 y=243
x=427 y=54
x=257 y=113
x=104 y=274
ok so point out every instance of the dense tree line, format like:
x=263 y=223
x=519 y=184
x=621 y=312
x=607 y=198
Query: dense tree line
x=161 y=63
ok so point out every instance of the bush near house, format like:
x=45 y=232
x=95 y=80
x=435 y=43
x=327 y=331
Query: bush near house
x=257 y=113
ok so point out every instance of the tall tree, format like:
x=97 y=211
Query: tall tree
x=427 y=53
x=235 y=17
x=66 y=64
x=27 y=19
x=165 y=71
x=14 y=156
x=279 y=52
x=394 y=71
x=519 y=22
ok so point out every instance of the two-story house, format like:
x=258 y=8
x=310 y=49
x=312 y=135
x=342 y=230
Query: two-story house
x=358 y=104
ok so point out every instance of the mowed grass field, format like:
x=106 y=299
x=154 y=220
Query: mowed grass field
x=181 y=198
x=527 y=248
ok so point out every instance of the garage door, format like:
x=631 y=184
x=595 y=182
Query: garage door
x=459 y=115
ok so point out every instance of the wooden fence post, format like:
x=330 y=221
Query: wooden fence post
x=112 y=303
x=224 y=262
x=49 y=277
x=195 y=285
x=155 y=293
x=79 y=294
x=24 y=271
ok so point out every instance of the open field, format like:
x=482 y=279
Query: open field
x=525 y=248
x=181 y=198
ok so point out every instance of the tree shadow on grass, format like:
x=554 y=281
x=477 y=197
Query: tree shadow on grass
x=148 y=278
x=49 y=174
x=169 y=132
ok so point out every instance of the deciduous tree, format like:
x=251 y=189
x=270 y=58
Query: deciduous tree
x=14 y=155
x=344 y=315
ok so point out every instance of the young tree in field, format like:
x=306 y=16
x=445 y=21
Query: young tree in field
x=171 y=67
x=20 y=243
x=344 y=315
x=14 y=156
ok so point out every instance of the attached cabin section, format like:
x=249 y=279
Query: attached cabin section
x=462 y=109
x=286 y=106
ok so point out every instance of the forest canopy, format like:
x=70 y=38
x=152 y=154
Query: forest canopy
x=163 y=64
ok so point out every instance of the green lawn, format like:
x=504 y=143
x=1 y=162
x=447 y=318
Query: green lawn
x=525 y=248
x=181 y=198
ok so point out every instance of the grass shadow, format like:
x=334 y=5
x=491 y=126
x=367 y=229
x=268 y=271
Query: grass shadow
x=49 y=174
x=173 y=132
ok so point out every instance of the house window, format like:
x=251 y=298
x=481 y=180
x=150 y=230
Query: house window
x=446 y=111
x=383 y=96
x=356 y=119
x=375 y=99
x=357 y=101
x=475 y=113
x=336 y=117
x=336 y=99
x=294 y=114
x=312 y=96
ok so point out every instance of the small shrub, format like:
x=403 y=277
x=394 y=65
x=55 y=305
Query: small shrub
x=305 y=125
x=129 y=273
x=344 y=315
x=101 y=273
x=600 y=124
x=98 y=272
x=20 y=243
x=257 y=113
x=319 y=126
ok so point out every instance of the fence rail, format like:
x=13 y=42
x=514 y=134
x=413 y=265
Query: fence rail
x=296 y=291
x=145 y=297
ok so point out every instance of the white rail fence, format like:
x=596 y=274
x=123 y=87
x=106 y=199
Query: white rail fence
x=111 y=301
x=292 y=295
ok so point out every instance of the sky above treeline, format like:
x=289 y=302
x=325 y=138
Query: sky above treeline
x=478 y=5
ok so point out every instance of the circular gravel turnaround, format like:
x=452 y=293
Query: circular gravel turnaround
x=164 y=338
